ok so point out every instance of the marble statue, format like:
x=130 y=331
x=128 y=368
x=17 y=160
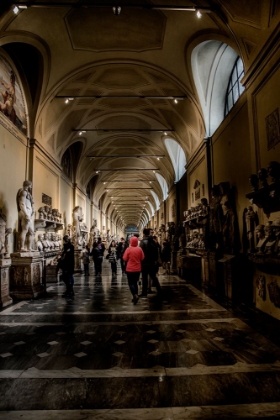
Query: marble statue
x=251 y=220
x=39 y=243
x=4 y=232
x=273 y=170
x=271 y=238
x=77 y=219
x=25 y=207
x=46 y=243
x=228 y=228
x=262 y=239
x=276 y=227
x=216 y=219
x=262 y=174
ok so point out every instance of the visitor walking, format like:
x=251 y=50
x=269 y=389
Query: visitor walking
x=122 y=245
x=133 y=256
x=150 y=263
x=101 y=249
x=67 y=266
x=112 y=257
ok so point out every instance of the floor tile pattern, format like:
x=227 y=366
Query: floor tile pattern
x=99 y=356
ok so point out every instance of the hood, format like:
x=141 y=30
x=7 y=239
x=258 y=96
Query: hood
x=134 y=241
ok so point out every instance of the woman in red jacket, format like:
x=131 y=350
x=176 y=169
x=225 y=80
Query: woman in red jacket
x=133 y=257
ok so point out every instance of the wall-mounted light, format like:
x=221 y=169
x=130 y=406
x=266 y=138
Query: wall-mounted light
x=175 y=101
x=68 y=99
x=198 y=14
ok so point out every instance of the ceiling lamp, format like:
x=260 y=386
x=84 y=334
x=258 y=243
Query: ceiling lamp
x=198 y=14
x=117 y=10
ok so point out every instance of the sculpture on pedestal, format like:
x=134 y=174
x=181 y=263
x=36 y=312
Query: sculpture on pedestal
x=4 y=232
x=215 y=219
x=39 y=243
x=261 y=239
x=25 y=205
x=271 y=238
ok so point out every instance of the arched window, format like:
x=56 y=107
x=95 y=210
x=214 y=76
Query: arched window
x=177 y=156
x=163 y=185
x=212 y=65
x=156 y=199
x=234 y=88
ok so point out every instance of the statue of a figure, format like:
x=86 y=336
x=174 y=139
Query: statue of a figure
x=204 y=207
x=273 y=170
x=276 y=227
x=271 y=238
x=45 y=242
x=42 y=213
x=228 y=228
x=262 y=173
x=215 y=219
x=4 y=232
x=25 y=207
x=251 y=220
x=39 y=243
x=77 y=219
x=262 y=239
x=201 y=243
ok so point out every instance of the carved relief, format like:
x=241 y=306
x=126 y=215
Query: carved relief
x=274 y=293
x=261 y=287
x=272 y=129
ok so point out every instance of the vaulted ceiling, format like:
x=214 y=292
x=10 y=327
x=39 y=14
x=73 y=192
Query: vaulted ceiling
x=121 y=74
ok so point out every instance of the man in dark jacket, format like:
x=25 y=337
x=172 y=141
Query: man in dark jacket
x=67 y=265
x=149 y=264
x=122 y=245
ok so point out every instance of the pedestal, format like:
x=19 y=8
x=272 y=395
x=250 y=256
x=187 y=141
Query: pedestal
x=26 y=275
x=191 y=268
x=78 y=261
x=228 y=270
x=51 y=275
x=5 y=299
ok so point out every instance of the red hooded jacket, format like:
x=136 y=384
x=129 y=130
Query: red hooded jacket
x=133 y=256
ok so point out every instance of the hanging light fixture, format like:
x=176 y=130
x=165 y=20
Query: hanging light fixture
x=117 y=10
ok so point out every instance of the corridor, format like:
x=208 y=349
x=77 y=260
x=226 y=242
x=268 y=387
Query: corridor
x=98 y=356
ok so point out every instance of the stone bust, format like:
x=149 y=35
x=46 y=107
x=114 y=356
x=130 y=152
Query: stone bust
x=261 y=238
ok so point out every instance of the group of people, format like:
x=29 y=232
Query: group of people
x=136 y=256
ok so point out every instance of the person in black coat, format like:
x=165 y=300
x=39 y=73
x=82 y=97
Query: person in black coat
x=150 y=263
x=122 y=245
x=67 y=264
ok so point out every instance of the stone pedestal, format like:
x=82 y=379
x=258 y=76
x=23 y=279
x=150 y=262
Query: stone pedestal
x=26 y=275
x=5 y=299
x=227 y=271
x=51 y=275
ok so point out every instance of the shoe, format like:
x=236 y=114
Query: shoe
x=142 y=295
x=135 y=299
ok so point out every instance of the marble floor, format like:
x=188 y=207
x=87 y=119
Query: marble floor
x=98 y=356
